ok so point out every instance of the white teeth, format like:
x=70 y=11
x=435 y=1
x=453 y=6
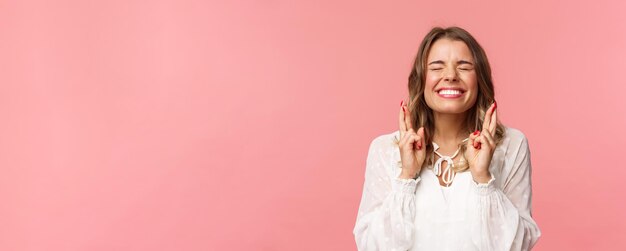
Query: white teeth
x=449 y=92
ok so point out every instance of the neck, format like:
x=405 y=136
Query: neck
x=449 y=128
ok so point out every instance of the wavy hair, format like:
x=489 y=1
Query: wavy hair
x=422 y=114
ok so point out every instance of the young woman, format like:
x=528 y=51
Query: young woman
x=452 y=177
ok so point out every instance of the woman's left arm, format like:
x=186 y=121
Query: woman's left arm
x=500 y=218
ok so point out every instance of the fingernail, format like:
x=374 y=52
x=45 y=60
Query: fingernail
x=495 y=104
x=401 y=102
x=475 y=132
x=403 y=109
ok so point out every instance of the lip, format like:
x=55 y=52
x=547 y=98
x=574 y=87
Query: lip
x=450 y=96
x=450 y=88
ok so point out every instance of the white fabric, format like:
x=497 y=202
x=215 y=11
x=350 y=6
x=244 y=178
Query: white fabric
x=413 y=214
x=446 y=192
x=448 y=175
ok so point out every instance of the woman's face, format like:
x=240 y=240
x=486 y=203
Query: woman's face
x=451 y=85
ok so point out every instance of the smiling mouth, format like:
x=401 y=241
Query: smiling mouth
x=450 y=93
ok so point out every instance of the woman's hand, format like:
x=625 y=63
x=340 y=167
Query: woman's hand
x=411 y=143
x=481 y=146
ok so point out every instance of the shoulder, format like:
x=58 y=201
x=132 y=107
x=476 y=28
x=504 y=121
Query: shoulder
x=384 y=146
x=514 y=145
x=385 y=140
x=383 y=153
x=515 y=137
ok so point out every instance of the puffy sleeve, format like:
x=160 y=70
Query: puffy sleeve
x=500 y=218
x=387 y=209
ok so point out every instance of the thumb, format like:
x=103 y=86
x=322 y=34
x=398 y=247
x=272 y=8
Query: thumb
x=472 y=139
x=420 y=133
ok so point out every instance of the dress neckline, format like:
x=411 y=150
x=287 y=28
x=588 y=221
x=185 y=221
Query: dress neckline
x=436 y=146
x=447 y=175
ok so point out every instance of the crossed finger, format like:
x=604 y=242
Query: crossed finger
x=401 y=123
x=494 y=121
x=490 y=122
x=404 y=119
x=407 y=117
x=408 y=135
x=489 y=138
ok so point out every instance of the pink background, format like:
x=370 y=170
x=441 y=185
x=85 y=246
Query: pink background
x=244 y=125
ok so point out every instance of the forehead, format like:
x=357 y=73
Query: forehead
x=445 y=48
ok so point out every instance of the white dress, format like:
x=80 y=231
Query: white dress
x=419 y=214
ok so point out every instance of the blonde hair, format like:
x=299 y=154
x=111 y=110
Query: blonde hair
x=422 y=115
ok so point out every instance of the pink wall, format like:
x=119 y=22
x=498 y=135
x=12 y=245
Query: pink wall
x=186 y=125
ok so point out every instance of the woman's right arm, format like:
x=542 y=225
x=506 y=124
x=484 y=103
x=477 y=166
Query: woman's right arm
x=386 y=214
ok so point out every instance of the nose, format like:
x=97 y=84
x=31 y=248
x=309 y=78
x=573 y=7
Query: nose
x=450 y=75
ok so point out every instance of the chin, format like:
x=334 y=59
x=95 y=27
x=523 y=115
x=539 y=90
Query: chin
x=452 y=109
x=455 y=111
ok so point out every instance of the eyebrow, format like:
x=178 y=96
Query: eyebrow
x=458 y=62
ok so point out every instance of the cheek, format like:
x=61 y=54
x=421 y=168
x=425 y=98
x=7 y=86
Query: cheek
x=429 y=85
x=472 y=85
x=431 y=80
x=471 y=81
x=470 y=76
